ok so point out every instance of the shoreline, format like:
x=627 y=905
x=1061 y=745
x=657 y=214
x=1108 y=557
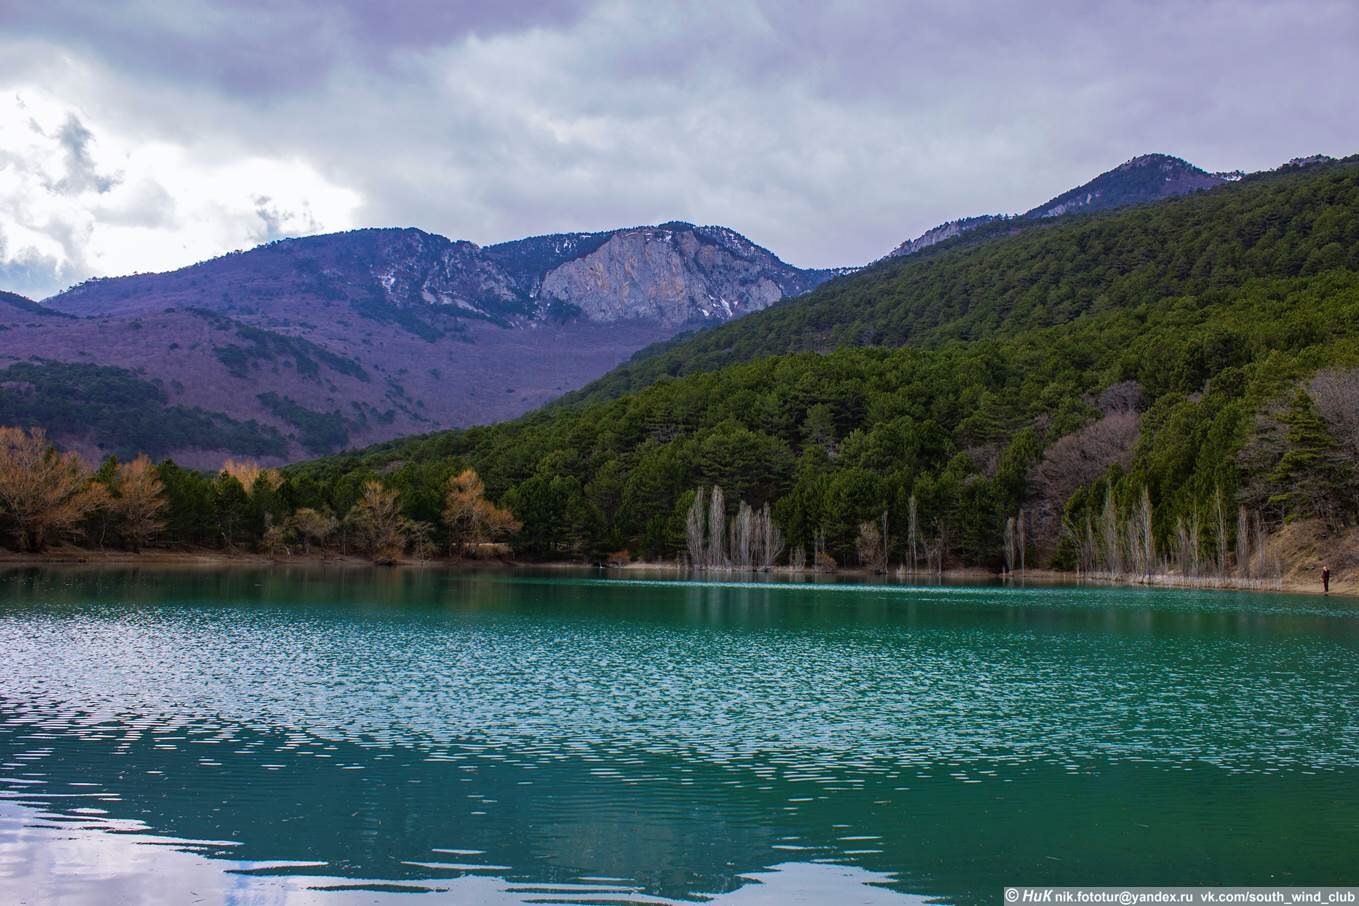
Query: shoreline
x=216 y=559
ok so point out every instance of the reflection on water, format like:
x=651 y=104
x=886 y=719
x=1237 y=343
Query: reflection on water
x=284 y=736
x=41 y=858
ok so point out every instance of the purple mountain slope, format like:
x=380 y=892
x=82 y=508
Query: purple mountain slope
x=308 y=345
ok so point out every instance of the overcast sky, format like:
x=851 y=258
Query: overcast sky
x=147 y=135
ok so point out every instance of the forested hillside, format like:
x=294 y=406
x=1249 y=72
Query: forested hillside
x=1158 y=388
x=974 y=431
x=1173 y=349
x=1015 y=275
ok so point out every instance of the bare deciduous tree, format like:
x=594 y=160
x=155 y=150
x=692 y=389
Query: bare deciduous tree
x=1266 y=557
x=1090 y=549
x=421 y=539
x=694 y=523
x=1143 y=530
x=1255 y=558
x=377 y=523
x=752 y=540
x=473 y=520
x=1220 y=530
x=770 y=539
x=1335 y=392
x=1110 y=535
x=276 y=536
x=1010 y=559
x=314 y=526
x=43 y=494
x=913 y=533
x=717 y=517
x=248 y=472
x=870 y=548
x=743 y=537
x=139 y=501
x=1073 y=462
x=1189 y=545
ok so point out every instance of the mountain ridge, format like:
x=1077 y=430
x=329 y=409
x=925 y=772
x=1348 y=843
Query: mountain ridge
x=1170 y=373
x=707 y=272
x=1145 y=178
x=1141 y=180
x=1132 y=182
x=303 y=346
x=15 y=304
x=894 y=301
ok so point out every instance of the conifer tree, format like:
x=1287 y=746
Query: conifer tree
x=1307 y=477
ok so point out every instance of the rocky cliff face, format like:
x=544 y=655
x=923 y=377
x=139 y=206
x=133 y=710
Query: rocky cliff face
x=942 y=233
x=671 y=275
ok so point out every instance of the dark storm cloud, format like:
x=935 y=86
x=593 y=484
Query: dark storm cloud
x=828 y=131
x=267 y=46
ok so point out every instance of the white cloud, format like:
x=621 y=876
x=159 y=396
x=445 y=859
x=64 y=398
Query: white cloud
x=827 y=131
x=79 y=200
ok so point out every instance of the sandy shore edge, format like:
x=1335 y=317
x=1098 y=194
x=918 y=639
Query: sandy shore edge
x=217 y=559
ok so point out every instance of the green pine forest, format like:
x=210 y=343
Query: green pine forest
x=949 y=377
x=1176 y=361
x=1017 y=275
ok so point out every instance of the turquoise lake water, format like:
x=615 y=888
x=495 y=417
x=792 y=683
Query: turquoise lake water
x=338 y=736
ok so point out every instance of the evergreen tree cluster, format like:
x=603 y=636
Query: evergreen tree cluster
x=1013 y=276
x=830 y=441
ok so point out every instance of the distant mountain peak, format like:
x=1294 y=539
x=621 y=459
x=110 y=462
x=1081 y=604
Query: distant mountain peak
x=305 y=345
x=1155 y=159
x=671 y=274
x=1308 y=161
x=1145 y=178
x=13 y=305
x=15 y=299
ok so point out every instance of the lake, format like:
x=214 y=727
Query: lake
x=340 y=736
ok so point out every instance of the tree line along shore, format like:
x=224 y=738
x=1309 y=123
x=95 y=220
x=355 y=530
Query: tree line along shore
x=57 y=510
x=1162 y=393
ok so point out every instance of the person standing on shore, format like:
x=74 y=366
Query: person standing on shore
x=1325 y=580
